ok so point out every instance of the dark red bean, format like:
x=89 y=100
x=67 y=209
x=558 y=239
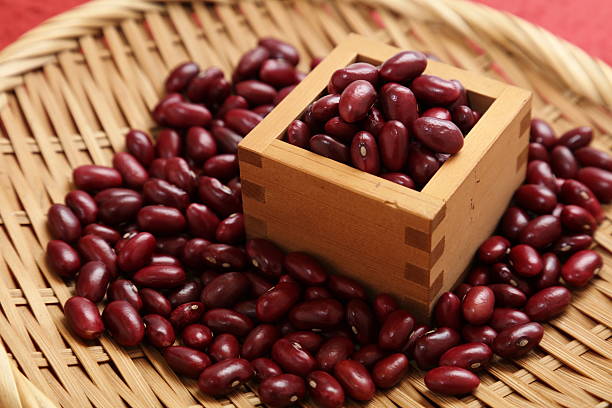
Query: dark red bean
x=503 y=318
x=317 y=292
x=227 y=321
x=163 y=259
x=341 y=78
x=223 y=377
x=576 y=138
x=280 y=49
x=123 y=323
x=525 y=260
x=250 y=62
x=159 y=111
x=479 y=334
x=599 y=181
x=422 y=164
x=224 y=346
x=563 y=162
x=63 y=223
x=507 y=295
x=501 y=273
x=393 y=141
x=516 y=341
x=541 y=231
x=389 y=371
x=398 y=103
x=581 y=267
x=82 y=205
x=447 y=311
x=161 y=192
x=118 y=206
x=178 y=172
x=463 y=288
x=550 y=271
x=180 y=76
x=186 y=314
x=293 y=358
x=451 y=380
x=437 y=112
x=159 y=219
x=92 y=281
x=133 y=173
x=282 y=390
x=158 y=331
x=278 y=73
x=255 y=92
x=186 y=361
x=399 y=178
x=368 y=355
x=259 y=341
x=513 y=222
x=201 y=87
x=538 y=152
x=187 y=292
x=298 y=133
x=168 y=144
x=574 y=192
x=318 y=314
x=259 y=285
x=160 y=276
x=62 y=258
x=464 y=118
x=478 y=305
x=83 y=317
x=356 y=100
x=383 y=305
x=224 y=256
x=364 y=153
x=419 y=331
x=346 y=288
x=325 y=108
x=108 y=234
x=154 y=302
x=548 y=303
x=276 y=302
x=184 y=115
x=231 y=230
x=325 y=390
x=591 y=157
x=197 y=336
x=282 y=94
x=541 y=132
x=478 y=275
x=395 y=330
x=329 y=147
x=355 y=380
x=123 y=289
x=308 y=340
x=266 y=256
x=572 y=243
x=137 y=252
x=471 y=356
x=222 y=166
x=429 y=348
x=200 y=145
x=94 y=178
x=227 y=140
x=201 y=220
x=434 y=90
x=139 y=145
x=374 y=121
x=225 y=290
x=361 y=320
x=577 y=219
x=172 y=246
x=218 y=196
x=540 y=173
x=536 y=198
x=94 y=248
x=333 y=351
x=493 y=249
x=404 y=66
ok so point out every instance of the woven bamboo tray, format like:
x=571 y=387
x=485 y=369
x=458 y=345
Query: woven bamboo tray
x=71 y=88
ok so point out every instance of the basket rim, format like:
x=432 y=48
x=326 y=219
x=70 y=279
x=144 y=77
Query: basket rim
x=38 y=46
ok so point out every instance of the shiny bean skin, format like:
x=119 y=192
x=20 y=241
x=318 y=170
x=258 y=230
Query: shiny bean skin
x=197 y=336
x=187 y=292
x=422 y=165
x=123 y=289
x=164 y=259
x=591 y=157
x=278 y=73
x=120 y=207
x=304 y=268
x=513 y=222
x=478 y=305
x=200 y=145
x=577 y=219
x=172 y=245
x=62 y=258
x=451 y=380
x=249 y=64
x=471 y=356
x=223 y=377
x=133 y=173
x=185 y=115
x=266 y=256
x=507 y=295
x=83 y=317
x=364 y=153
x=395 y=330
x=333 y=351
x=599 y=181
x=123 y=323
x=429 y=348
x=355 y=380
x=356 y=100
x=227 y=140
x=227 y=321
x=325 y=390
x=259 y=341
x=180 y=76
x=478 y=334
x=200 y=88
x=224 y=256
x=154 y=302
x=201 y=221
x=241 y=121
x=399 y=178
x=90 y=177
x=282 y=94
x=398 y=103
x=403 y=67
x=223 y=347
x=563 y=162
x=63 y=223
x=157 y=169
x=464 y=118
x=574 y=192
x=159 y=276
x=346 y=288
x=537 y=152
x=282 y=390
x=92 y=281
x=256 y=92
x=516 y=341
x=276 y=302
x=139 y=145
x=439 y=135
x=540 y=173
x=292 y=358
x=541 y=231
x=525 y=260
x=419 y=331
x=325 y=108
x=368 y=355
x=342 y=77
x=437 y=112
x=94 y=248
x=327 y=146
x=259 y=285
x=393 y=144
x=541 y=132
x=361 y=320
x=463 y=288
x=318 y=314
x=390 y=370
x=225 y=290
x=108 y=234
x=159 y=111
x=493 y=249
x=503 y=318
x=383 y=305
x=160 y=219
x=309 y=341
x=434 y=90
x=448 y=312
x=186 y=361
x=265 y=368
x=298 y=133
x=550 y=272
x=158 y=331
x=581 y=267
x=177 y=172
x=374 y=121
x=548 y=303
x=231 y=230
x=137 y=252
x=222 y=166
x=478 y=275
x=576 y=138
x=280 y=50
x=218 y=196
x=168 y=144
x=82 y=205
x=569 y=244
x=186 y=314
x=501 y=273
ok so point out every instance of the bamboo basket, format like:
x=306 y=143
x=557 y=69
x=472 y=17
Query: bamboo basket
x=71 y=88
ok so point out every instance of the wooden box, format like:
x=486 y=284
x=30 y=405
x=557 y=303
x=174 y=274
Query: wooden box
x=413 y=244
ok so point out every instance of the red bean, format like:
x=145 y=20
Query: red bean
x=346 y=288
x=118 y=207
x=298 y=133
x=538 y=152
x=163 y=259
x=123 y=289
x=577 y=219
x=282 y=93
x=82 y=205
x=218 y=196
x=541 y=231
x=200 y=87
x=563 y=162
x=341 y=78
x=478 y=305
x=201 y=220
x=525 y=260
x=62 y=258
x=329 y=147
x=308 y=340
x=333 y=351
x=541 y=132
x=398 y=103
x=92 y=178
x=325 y=108
x=325 y=390
x=447 y=311
x=369 y=355
x=399 y=178
x=437 y=112
x=266 y=256
x=574 y=192
x=197 y=336
x=133 y=173
x=224 y=256
x=451 y=380
x=478 y=276
x=419 y=331
x=186 y=361
x=591 y=157
x=293 y=358
x=318 y=314
x=361 y=319
x=94 y=248
x=139 y=145
x=364 y=153
x=164 y=193
x=502 y=273
x=493 y=249
x=536 y=198
x=393 y=141
x=225 y=290
x=259 y=285
x=422 y=164
x=180 y=76
x=227 y=140
x=429 y=347
x=83 y=318
x=383 y=305
x=228 y=321
x=231 y=230
x=282 y=390
x=259 y=341
x=404 y=66
x=250 y=62
x=507 y=295
x=395 y=330
x=463 y=288
x=255 y=92
x=222 y=166
x=540 y=173
x=223 y=377
x=548 y=303
x=108 y=234
x=374 y=121
x=355 y=380
x=159 y=111
x=154 y=302
x=123 y=323
x=389 y=371
x=434 y=90
x=160 y=219
x=158 y=331
x=171 y=245
x=278 y=73
x=503 y=318
x=92 y=281
x=576 y=138
x=479 y=334
x=223 y=347
x=516 y=341
x=137 y=252
x=63 y=223
x=187 y=292
x=265 y=368
x=599 y=181
x=513 y=222
x=275 y=303
x=471 y=356
x=572 y=243
x=160 y=276
x=177 y=172
x=186 y=314
x=280 y=49
x=184 y=115
x=356 y=100
x=464 y=118
x=580 y=268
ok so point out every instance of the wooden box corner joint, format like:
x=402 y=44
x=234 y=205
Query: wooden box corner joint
x=393 y=239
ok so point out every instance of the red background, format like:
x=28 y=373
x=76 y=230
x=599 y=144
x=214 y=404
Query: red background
x=586 y=23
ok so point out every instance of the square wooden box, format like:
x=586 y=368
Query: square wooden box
x=413 y=244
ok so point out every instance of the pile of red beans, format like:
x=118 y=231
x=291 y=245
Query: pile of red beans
x=390 y=120
x=159 y=238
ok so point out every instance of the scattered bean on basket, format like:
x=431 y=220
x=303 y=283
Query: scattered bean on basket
x=161 y=236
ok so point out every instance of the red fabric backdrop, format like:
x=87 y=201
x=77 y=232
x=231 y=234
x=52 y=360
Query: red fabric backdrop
x=587 y=23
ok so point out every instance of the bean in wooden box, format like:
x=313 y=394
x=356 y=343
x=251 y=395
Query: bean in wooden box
x=412 y=244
